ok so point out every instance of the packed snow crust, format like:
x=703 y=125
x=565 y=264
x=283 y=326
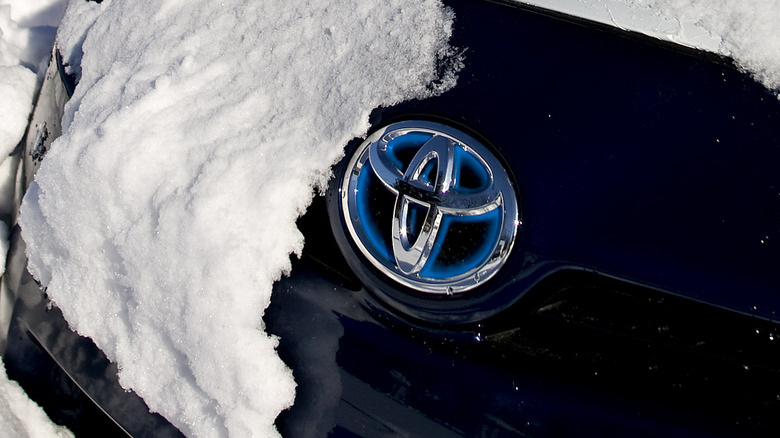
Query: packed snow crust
x=197 y=135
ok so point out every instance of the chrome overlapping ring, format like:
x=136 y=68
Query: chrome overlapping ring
x=430 y=207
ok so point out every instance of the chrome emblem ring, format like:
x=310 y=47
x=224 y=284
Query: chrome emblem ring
x=430 y=207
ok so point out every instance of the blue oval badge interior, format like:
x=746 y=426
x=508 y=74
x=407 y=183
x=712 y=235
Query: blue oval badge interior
x=430 y=207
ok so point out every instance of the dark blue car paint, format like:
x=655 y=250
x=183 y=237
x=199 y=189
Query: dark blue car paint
x=631 y=159
x=646 y=173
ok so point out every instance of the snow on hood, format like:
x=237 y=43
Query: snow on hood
x=748 y=30
x=197 y=135
x=745 y=30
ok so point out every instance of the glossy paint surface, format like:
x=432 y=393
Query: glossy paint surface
x=642 y=161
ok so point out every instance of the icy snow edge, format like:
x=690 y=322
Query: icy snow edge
x=163 y=215
x=746 y=31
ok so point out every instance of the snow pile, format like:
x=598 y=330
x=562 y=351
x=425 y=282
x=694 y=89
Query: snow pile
x=21 y=417
x=27 y=30
x=748 y=30
x=197 y=135
x=17 y=84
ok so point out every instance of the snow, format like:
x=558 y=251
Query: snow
x=27 y=30
x=748 y=30
x=17 y=85
x=199 y=131
x=745 y=30
x=636 y=18
x=197 y=135
x=21 y=417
